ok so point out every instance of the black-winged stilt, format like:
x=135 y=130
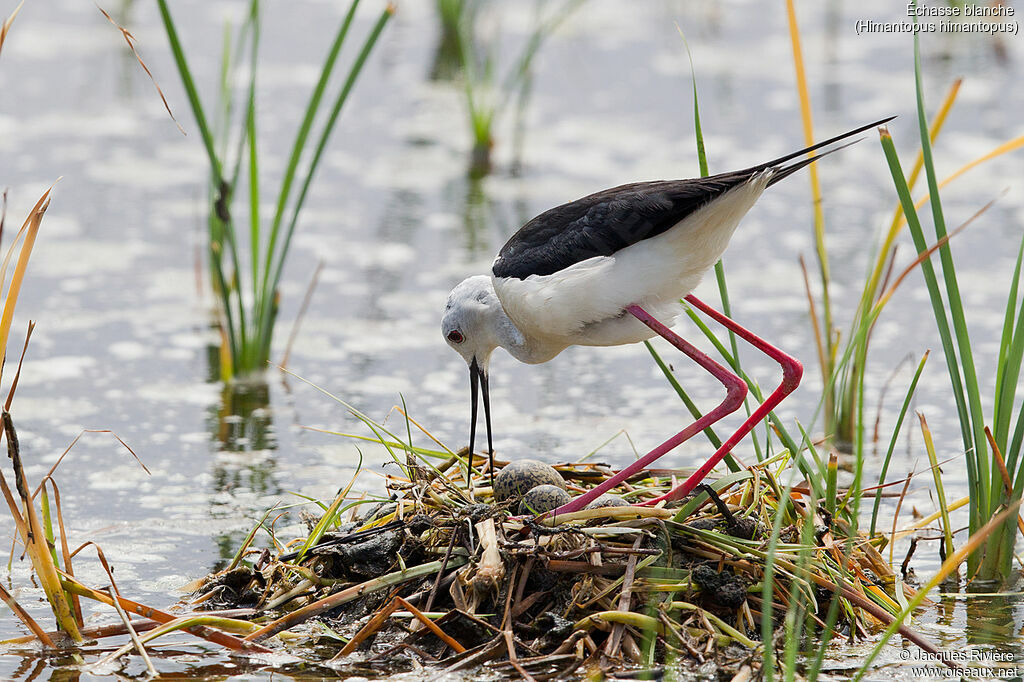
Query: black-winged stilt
x=601 y=271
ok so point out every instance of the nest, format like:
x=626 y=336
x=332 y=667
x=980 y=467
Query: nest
x=441 y=575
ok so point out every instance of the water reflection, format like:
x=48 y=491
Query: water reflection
x=241 y=424
x=946 y=606
x=242 y=420
x=994 y=615
x=476 y=218
x=30 y=668
x=447 y=62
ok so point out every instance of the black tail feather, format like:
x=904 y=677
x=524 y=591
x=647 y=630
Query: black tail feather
x=788 y=170
x=785 y=171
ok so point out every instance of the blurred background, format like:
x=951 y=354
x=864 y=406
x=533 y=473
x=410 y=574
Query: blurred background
x=118 y=284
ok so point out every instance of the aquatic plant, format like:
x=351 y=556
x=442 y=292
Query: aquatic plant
x=448 y=55
x=995 y=468
x=991 y=483
x=248 y=299
x=843 y=368
x=36 y=511
x=800 y=608
x=487 y=98
x=36 y=533
x=843 y=382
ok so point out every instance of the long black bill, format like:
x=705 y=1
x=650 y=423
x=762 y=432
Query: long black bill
x=477 y=375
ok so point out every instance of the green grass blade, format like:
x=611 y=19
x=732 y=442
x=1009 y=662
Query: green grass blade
x=700 y=498
x=520 y=72
x=220 y=123
x=328 y=519
x=231 y=56
x=683 y=395
x=970 y=377
x=821 y=646
x=702 y=162
x=698 y=132
x=1011 y=352
x=729 y=358
x=408 y=426
x=892 y=441
x=939 y=310
x=768 y=590
x=814 y=473
x=235 y=292
x=480 y=116
x=237 y=558
x=940 y=490
x=723 y=295
x=270 y=287
x=339 y=102
x=228 y=323
x=948 y=567
x=1018 y=438
x=254 y=175
x=787 y=441
x=831 y=483
x=190 y=90
x=254 y=201
x=723 y=289
x=858 y=381
x=47 y=519
x=249 y=34
x=303 y=133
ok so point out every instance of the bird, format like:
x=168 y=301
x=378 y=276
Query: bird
x=614 y=268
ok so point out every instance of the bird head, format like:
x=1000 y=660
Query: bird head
x=472 y=319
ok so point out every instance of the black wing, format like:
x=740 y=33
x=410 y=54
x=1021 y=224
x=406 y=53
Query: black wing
x=602 y=223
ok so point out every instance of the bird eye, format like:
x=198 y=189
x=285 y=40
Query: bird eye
x=455 y=336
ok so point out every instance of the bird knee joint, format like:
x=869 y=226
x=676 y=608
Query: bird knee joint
x=736 y=391
x=792 y=372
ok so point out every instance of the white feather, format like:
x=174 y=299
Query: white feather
x=585 y=303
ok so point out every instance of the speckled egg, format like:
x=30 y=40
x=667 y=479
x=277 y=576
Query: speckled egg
x=607 y=500
x=522 y=475
x=542 y=499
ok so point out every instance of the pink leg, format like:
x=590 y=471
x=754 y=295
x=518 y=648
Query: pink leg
x=792 y=370
x=736 y=390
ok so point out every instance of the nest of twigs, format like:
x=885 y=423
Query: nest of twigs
x=442 y=575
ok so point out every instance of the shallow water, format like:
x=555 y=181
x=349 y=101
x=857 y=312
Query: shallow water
x=123 y=340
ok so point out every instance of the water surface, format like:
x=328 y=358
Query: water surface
x=124 y=340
